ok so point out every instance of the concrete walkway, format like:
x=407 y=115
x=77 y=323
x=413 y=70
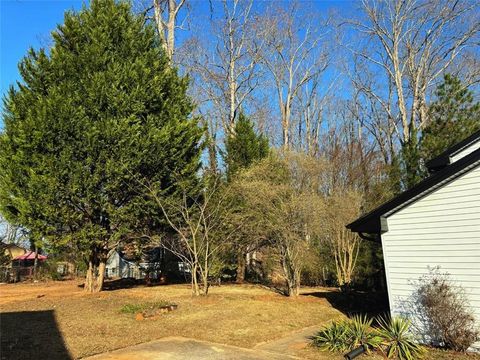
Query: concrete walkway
x=180 y=348
x=290 y=344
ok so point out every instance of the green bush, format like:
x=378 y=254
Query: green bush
x=397 y=340
x=136 y=308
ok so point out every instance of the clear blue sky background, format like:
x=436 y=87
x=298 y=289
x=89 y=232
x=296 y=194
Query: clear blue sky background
x=25 y=24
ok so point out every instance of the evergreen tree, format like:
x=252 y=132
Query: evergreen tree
x=244 y=147
x=453 y=117
x=411 y=165
x=95 y=119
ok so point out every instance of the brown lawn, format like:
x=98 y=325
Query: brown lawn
x=52 y=320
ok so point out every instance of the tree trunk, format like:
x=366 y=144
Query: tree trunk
x=101 y=275
x=293 y=282
x=297 y=283
x=212 y=156
x=205 y=284
x=233 y=90
x=172 y=15
x=88 y=287
x=195 y=286
x=35 y=263
x=96 y=271
x=241 y=266
x=166 y=28
x=286 y=126
x=290 y=288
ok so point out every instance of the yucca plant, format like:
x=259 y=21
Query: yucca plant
x=333 y=338
x=360 y=333
x=397 y=341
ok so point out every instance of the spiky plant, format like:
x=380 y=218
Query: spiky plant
x=333 y=338
x=397 y=340
x=360 y=333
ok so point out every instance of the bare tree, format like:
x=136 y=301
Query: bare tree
x=373 y=114
x=342 y=207
x=164 y=13
x=291 y=53
x=313 y=99
x=226 y=71
x=202 y=229
x=409 y=45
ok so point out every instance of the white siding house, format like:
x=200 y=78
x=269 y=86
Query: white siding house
x=434 y=224
x=117 y=266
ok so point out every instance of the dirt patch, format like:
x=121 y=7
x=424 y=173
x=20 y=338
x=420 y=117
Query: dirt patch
x=33 y=290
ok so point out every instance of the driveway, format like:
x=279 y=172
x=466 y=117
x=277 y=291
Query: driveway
x=180 y=348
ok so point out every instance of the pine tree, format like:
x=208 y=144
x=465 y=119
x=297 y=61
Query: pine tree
x=411 y=165
x=244 y=147
x=453 y=117
x=92 y=121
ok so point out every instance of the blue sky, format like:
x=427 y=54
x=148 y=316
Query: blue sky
x=26 y=23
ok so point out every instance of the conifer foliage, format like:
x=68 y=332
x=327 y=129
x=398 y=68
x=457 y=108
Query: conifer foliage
x=244 y=146
x=454 y=116
x=94 y=119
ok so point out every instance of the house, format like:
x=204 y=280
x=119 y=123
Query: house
x=66 y=268
x=27 y=259
x=17 y=263
x=153 y=263
x=11 y=250
x=119 y=266
x=434 y=224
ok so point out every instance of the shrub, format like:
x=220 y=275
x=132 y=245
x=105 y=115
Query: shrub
x=136 y=308
x=397 y=341
x=333 y=338
x=446 y=309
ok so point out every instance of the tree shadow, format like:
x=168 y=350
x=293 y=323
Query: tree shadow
x=355 y=302
x=281 y=290
x=126 y=283
x=31 y=335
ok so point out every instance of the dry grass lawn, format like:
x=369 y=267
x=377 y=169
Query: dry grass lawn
x=89 y=324
x=57 y=317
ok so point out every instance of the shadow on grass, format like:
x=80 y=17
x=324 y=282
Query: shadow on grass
x=355 y=302
x=31 y=335
x=127 y=283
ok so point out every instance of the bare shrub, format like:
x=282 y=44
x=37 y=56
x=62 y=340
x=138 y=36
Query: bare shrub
x=446 y=308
